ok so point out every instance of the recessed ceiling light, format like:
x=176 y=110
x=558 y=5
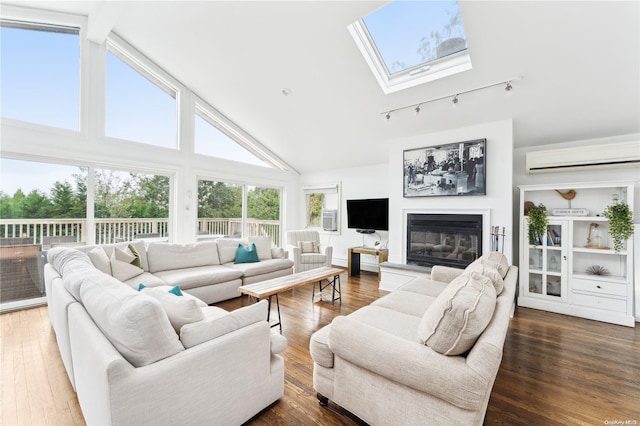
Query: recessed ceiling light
x=286 y=91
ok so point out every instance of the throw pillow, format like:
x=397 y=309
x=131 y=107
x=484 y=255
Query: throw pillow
x=502 y=265
x=122 y=267
x=136 y=255
x=263 y=245
x=460 y=313
x=100 y=259
x=180 y=310
x=490 y=270
x=277 y=253
x=246 y=255
x=308 y=247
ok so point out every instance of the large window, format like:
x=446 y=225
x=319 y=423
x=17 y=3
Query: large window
x=222 y=212
x=40 y=78
x=210 y=140
x=41 y=205
x=130 y=205
x=140 y=106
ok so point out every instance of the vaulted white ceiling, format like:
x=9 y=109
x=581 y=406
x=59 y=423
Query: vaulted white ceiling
x=580 y=63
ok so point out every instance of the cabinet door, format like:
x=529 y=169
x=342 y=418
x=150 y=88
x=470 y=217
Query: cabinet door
x=546 y=273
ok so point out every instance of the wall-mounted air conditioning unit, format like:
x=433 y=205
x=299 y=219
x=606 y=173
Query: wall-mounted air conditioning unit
x=619 y=154
x=330 y=220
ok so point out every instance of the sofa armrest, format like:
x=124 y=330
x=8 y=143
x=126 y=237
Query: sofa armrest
x=445 y=274
x=409 y=363
x=327 y=251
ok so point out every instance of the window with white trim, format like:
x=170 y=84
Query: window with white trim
x=406 y=43
x=322 y=202
x=140 y=105
x=40 y=78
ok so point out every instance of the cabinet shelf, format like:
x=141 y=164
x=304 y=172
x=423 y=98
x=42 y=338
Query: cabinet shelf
x=603 y=278
x=598 y=251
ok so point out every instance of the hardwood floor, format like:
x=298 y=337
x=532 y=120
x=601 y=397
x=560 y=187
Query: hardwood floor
x=556 y=369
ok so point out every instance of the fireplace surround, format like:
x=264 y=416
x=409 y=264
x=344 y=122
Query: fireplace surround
x=443 y=239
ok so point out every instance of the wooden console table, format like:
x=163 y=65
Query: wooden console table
x=353 y=257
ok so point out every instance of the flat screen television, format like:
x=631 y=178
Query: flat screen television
x=368 y=215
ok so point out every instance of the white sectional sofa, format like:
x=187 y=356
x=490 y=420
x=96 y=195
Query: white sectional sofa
x=425 y=354
x=151 y=357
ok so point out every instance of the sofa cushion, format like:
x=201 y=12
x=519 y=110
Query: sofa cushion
x=312 y=258
x=166 y=256
x=123 y=264
x=488 y=269
x=278 y=253
x=246 y=254
x=406 y=302
x=389 y=320
x=227 y=248
x=146 y=278
x=218 y=322
x=100 y=259
x=260 y=268
x=453 y=322
x=263 y=245
x=139 y=247
x=199 y=276
x=319 y=348
x=180 y=310
x=135 y=323
x=423 y=285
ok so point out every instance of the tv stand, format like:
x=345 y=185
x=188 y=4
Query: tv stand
x=365 y=231
x=353 y=258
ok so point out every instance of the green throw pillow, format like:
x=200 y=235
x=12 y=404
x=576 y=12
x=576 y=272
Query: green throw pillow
x=246 y=255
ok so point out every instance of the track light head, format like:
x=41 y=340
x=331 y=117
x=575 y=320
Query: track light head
x=455 y=100
x=508 y=87
x=388 y=116
x=416 y=110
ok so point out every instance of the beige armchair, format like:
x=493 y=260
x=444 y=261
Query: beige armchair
x=306 y=251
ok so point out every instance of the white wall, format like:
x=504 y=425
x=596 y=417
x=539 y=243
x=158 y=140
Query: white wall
x=385 y=180
x=358 y=182
x=499 y=198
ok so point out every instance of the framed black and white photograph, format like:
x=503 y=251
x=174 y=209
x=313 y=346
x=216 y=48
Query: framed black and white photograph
x=452 y=169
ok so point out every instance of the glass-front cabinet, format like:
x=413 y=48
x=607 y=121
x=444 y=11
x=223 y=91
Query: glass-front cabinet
x=546 y=267
x=573 y=269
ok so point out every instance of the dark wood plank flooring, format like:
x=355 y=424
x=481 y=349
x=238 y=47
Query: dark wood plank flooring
x=556 y=369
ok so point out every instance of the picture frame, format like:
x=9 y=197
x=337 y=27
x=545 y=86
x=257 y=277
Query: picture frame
x=454 y=169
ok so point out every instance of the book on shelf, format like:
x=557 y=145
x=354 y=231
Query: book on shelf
x=550 y=239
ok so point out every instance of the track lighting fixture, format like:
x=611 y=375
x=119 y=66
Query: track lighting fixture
x=454 y=97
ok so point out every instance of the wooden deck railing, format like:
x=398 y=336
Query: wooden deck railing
x=118 y=229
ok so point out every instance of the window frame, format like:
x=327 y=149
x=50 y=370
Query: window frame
x=333 y=188
x=411 y=77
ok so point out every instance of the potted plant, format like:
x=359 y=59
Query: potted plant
x=538 y=221
x=620 y=224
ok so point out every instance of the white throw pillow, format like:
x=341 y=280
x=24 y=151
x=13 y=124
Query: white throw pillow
x=460 y=313
x=308 y=247
x=121 y=267
x=488 y=269
x=263 y=246
x=100 y=259
x=502 y=265
x=180 y=310
x=134 y=323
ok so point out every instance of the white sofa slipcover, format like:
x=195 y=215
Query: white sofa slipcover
x=129 y=366
x=373 y=363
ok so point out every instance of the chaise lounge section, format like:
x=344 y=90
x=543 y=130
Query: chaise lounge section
x=425 y=354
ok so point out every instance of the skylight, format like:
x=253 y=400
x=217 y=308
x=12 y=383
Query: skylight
x=407 y=43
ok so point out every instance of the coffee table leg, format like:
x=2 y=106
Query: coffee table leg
x=279 y=323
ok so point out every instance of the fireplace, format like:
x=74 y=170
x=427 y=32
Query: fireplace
x=443 y=239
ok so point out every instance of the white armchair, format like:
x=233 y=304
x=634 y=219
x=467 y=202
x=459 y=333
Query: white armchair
x=306 y=251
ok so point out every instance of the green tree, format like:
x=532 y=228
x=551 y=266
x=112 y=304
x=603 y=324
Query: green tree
x=219 y=199
x=63 y=200
x=263 y=204
x=315 y=203
x=36 y=205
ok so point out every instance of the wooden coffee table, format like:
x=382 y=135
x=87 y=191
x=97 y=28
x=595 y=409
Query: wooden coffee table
x=278 y=285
